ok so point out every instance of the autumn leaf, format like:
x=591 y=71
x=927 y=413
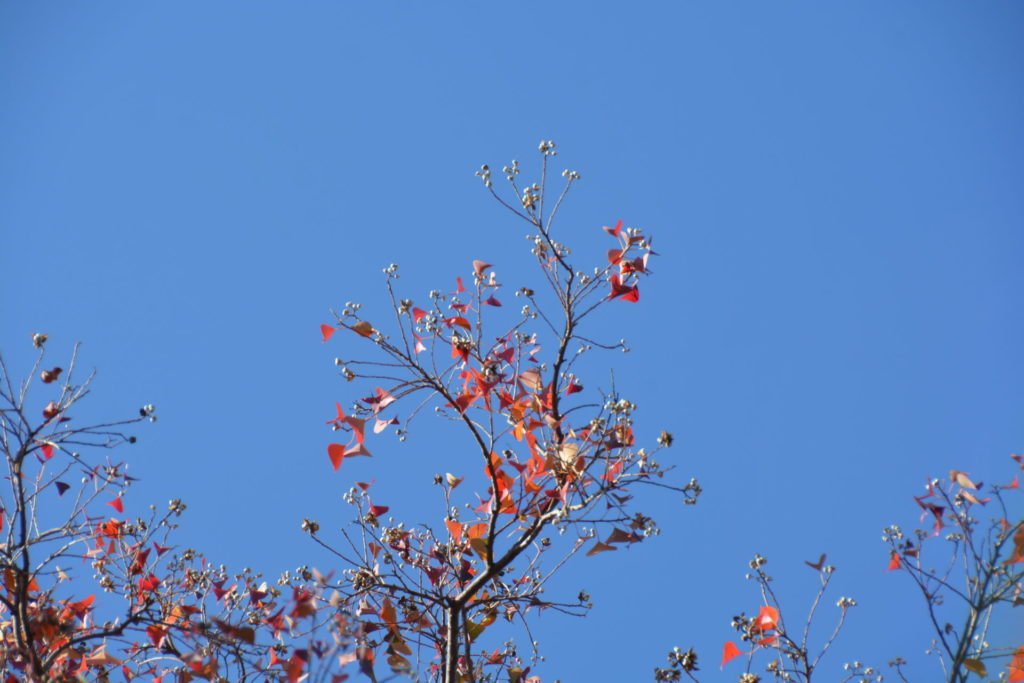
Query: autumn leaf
x=1016 y=666
x=117 y=504
x=380 y=425
x=976 y=666
x=326 y=331
x=614 y=232
x=474 y=630
x=1018 y=548
x=767 y=618
x=363 y=328
x=336 y=452
x=894 y=561
x=479 y=267
x=600 y=548
x=531 y=379
x=817 y=565
x=479 y=546
x=625 y=292
x=962 y=479
x=729 y=653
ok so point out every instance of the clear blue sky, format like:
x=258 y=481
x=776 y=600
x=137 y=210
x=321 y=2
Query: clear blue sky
x=834 y=188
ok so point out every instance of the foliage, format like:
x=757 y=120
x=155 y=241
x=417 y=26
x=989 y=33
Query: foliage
x=554 y=466
x=981 y=568
x=146 y=607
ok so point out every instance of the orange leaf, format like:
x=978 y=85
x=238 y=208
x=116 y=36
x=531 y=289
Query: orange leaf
x=1016 y=667
x=455 y=529
x=894 y=561
x=117 y=504
x=326 y=331
x=729 y=653
x=363 y=328
x=387 y=613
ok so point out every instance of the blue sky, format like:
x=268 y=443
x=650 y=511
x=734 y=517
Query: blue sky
x=834 y=189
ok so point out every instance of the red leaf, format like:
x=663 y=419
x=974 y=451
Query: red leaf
x=491 y=301
x=1013 y=484
x=117 y=504
x=417 y=314
x=458 y=281
x=479 y=267
x=47 y=449
x=614 y=232
x=729 y=653
x=465 y=400
x=631 y=293
x=295 y=666
x=378 y=510
x=573 y=388
x=1016 y=666
x=327 y=331
x=894 y=561
x=767 y=618
x=336 y=452
x=341 y=414
x=156 y=634
x=615 y=255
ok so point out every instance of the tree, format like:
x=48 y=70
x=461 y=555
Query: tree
x=980 y=569
x=87 y=590
x=559 y=464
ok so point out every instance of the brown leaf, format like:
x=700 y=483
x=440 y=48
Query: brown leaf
x=816 y=565
x=363 y=328
x=600 y=548
x=531 y=379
